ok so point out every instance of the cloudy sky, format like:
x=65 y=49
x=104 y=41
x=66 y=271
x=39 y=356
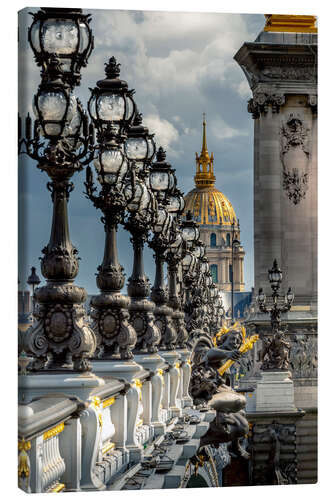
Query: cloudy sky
x=181 y=65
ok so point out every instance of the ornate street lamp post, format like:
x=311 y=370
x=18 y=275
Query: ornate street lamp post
x=109 y=108
x=174 y=256
x=66 y=33
x=275 y=310
x=141 y=217
x=190 y=233
x=162 y=182
x=60 y=338
x=275 y=353
x=33 y=280
x=234 y=245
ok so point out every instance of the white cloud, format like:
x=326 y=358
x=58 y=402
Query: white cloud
x=221 y=130
x=165 y=132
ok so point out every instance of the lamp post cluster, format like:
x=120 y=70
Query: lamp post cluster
x=136 y=187
x=275 y=352
x=277 y=307
x=201 y=300
x=235 y=244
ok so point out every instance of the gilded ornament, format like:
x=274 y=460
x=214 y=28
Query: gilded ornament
x=54 y=431
x=108 y=447
x=288 y=23
x=96 y=403
x=108 y=402
x=206 y=202
x=58 y=488
x=23 y=459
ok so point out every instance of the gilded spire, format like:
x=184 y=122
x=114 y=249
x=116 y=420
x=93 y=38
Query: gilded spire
x=204 y=140
x=204 y=176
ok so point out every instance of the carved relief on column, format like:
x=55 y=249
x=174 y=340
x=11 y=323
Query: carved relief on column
x=295 y=155
x=261 y=101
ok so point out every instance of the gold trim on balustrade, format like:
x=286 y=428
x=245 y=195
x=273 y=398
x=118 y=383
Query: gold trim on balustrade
x=107 y=447
x=58 y=488
x=137 y=382
x=96 y=403
x=139 y=422
x=24 y=445
x=108 y=402
x=23 y=459
x=54 y=431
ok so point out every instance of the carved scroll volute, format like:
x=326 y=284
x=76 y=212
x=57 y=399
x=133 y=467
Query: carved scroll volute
x=295 y=157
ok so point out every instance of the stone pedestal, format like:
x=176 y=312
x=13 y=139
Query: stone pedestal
x=79 y=385
x=275 y=451
x=275 y=392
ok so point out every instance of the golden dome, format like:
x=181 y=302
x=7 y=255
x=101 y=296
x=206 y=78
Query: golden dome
x=206 y=203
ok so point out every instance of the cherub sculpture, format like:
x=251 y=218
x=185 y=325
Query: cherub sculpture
x=275 y=353
x=208 y=389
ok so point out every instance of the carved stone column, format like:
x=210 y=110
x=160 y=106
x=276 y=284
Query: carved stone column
x=281 y=69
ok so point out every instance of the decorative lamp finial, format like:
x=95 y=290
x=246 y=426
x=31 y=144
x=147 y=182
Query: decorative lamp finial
x=161 y=154
x=112 y=68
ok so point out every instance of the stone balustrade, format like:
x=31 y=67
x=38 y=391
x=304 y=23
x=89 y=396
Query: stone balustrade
x=85 y=433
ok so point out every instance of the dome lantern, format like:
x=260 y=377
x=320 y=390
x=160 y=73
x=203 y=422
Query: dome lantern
x=204 y=176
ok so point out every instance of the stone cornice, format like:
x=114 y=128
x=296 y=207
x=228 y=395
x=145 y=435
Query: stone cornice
x=278 y=63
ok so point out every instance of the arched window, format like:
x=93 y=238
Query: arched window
x=213 y=240
x=228 y=240
x=213 y=272
x=230 y=273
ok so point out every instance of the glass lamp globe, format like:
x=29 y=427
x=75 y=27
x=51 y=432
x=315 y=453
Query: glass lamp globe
x=111 y=166
x=204 y=266
x=53 y=108
x=73 y=126
x=163 y=222
x=64 y=33
x=190 y=229
x=139 y=145
x=176 y=204
x=136 y=148
x=275 y=274
x=138 y=198
x=161 y=175
x=176 y=244
x=196 y=251
x=111 y=105
x=261 y=297
x=289 y=296
x=189 y=233
x=188 y=262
